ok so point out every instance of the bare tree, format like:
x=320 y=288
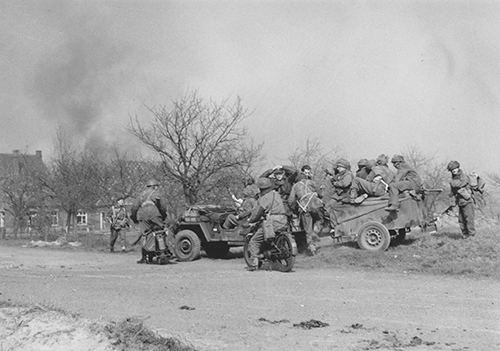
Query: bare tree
x=21 y=189
x=197 y=141
x=72 y=177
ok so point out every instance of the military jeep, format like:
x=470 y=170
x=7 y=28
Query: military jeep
x=200 y=228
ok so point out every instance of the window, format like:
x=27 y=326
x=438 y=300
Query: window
x=54 y=218
x=81 y=218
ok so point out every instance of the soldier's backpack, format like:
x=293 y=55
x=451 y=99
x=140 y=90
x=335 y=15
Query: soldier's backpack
x=478 y=186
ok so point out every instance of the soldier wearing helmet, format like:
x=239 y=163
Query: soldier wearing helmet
x=282 y=178
x=406 y=179
x=149 y=211
x=364 y=168
x=119 y=219
x=271 y=205
x=462 y=196
x=245 y=205
x=342 y=181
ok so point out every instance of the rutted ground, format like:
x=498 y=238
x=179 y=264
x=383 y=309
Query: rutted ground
x=217 y=305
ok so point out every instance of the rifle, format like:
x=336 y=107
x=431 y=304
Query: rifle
x=448 y=209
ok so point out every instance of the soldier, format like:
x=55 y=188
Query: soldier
x=461 y=191
x=363 y=188
x=382 y=165
x=245 y=205
x=282 y=178
x=150 y=211
x=304 y=201
x=269 y=205
x=363 y=168
x=119 y=220
x=341 y=181
x=406 y=179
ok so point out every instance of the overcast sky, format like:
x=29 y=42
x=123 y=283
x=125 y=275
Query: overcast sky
x=369 y=77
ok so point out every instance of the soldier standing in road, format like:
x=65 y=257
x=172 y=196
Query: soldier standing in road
x=406 y=179
x=269 y=205
x=305 y=201
x=461 y=192
x=150 y=211
x=119 y=220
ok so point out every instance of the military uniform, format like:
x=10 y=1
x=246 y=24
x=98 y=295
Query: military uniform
x=461 y=192
x=406 y=179
x=284 y=185
x=271 y=205
x=119 y=220
x=245 y=210
x=305 y=201
x=150 y=211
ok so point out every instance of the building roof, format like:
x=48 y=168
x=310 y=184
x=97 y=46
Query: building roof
x=16 y=162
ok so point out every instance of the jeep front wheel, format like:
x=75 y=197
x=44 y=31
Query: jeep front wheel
x=187 y=245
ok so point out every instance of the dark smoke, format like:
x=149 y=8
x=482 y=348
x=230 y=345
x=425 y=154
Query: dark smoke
x=77 y=79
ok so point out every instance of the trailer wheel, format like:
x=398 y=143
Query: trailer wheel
x=373 y=236
x=187 y=245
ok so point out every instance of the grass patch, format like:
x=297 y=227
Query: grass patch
x=131 y=334
x=444 y=252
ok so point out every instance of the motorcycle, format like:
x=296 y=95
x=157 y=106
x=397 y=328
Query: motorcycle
x=277 y=253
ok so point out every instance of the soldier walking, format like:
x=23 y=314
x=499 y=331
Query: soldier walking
x=119 y=220
x=462 y=196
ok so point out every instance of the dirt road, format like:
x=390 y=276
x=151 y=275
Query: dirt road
x=226 y=308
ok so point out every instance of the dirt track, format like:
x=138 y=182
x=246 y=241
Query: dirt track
x=364 y=310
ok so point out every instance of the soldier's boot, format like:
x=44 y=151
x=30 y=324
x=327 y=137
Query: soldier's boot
x=143 y=257
x=254 y=264
x=360 y=199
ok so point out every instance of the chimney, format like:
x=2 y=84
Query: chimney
x=38 y=154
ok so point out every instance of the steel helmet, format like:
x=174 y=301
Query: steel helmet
x=264 y=183
x=343 y=163
x=152 y=182
x=363 y=163
x=453 y=165
x=397 y=158
x=382 y=159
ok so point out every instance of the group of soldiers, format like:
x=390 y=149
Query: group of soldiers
x=284 y=193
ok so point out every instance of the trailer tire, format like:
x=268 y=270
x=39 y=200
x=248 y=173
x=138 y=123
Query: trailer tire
x=373 y=236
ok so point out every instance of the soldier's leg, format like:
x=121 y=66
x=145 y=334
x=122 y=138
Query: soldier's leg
x=112 y=239
x=468 y=212
x=143 y=228
x=461 y=221
x=230 y=222
x=307 y=223
x=254 y=247
x=123 y=240
x=395 y=189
